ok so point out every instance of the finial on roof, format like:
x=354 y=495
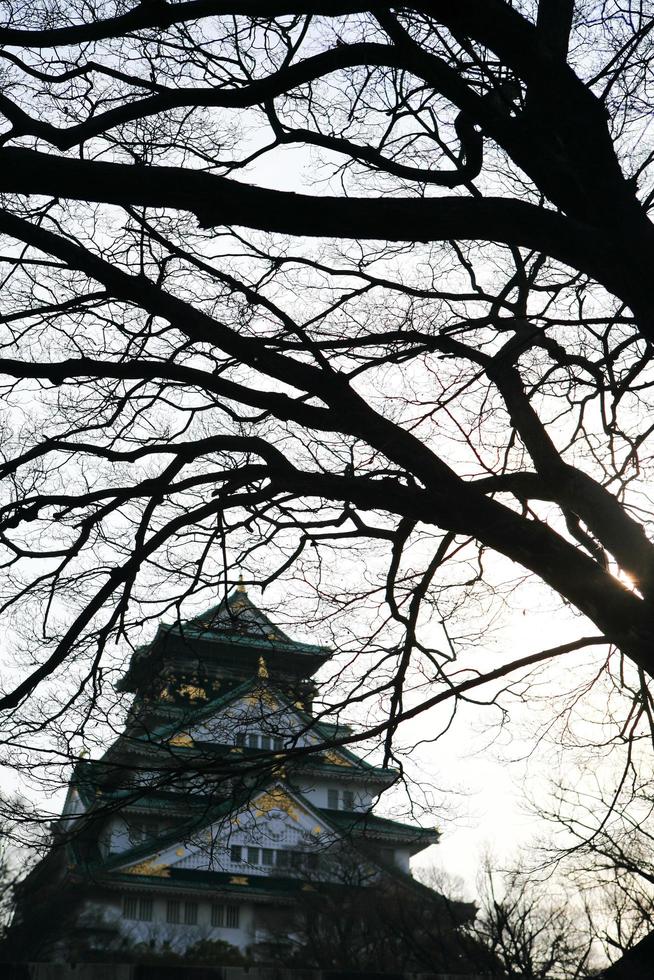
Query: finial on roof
x=263 y=670
x=241 y=584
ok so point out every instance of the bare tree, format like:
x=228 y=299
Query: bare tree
x=358 y=913
x=413 y=384
x=532 y=933
x=602 y=824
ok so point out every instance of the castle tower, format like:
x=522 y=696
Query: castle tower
x=224 y=798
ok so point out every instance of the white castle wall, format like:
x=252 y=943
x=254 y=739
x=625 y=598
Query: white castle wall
x=109 y=913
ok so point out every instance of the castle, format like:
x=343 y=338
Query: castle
x=223 y=801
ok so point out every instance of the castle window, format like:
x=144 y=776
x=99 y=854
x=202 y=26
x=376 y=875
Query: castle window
x=267 y=856
x=137 y=908
x=267 y=743
x=190 y=913
x=232 y=918
x=130 y=907
x=235 y=853
x=172 y=912
x=340 y=800
x=253 y=855
x=145 y=909
x=225 y=916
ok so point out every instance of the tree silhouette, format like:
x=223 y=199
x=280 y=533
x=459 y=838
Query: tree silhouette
x=352 y=296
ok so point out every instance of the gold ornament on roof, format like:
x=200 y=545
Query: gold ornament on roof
x=261 y=697
x=335 y=759
x=276 y=799
x=192 y=692
x=239 y=880
x=241 y=584
x=150 y=869
x=263 y=670
x=181 y=738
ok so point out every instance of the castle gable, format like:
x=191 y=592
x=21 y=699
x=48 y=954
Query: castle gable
x=265 y=834
x=264 y=712
x=255 y=715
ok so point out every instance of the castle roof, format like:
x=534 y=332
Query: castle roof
x=139 y=864
x=231 y=635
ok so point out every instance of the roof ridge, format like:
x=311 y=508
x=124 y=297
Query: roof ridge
x=238 y=597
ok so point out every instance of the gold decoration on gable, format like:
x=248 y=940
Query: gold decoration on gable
x=276 y=799
x=150 y=869
x=192 y=692
x=263 y=670
x=239 y=880
x=181 y=738
x=335 y=759
x=262 y=696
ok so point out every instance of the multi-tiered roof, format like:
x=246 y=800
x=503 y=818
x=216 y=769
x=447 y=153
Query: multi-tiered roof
x=224 y=643
x=225 y=786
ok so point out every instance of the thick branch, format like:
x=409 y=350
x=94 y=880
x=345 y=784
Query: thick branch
x=221 y=201
x=159 y=16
